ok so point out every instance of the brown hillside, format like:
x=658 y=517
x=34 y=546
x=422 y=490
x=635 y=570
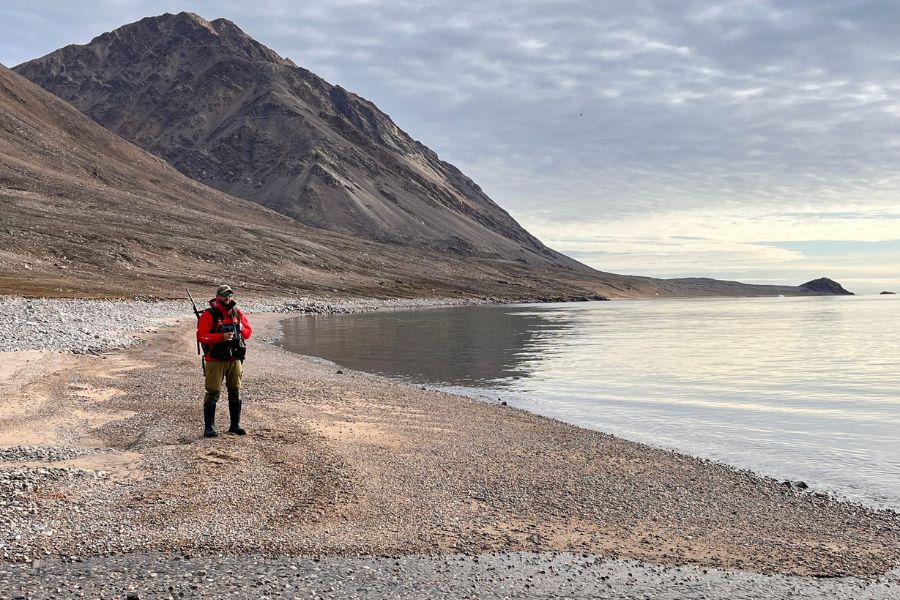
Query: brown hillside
x=87 y=213
x=225 y=110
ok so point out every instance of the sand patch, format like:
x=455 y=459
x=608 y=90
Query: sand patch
x=23 y=401
x=93 y=419
x=120 y=365
x=365 y=433
x=34 y=425
x=17 y=406
x=11 y=363
x=38 y=405
x=119 y=465
x=558 y=534
x=95 y=393
x=217 y=456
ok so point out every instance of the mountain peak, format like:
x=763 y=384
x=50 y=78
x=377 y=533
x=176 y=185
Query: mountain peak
x=160 y=38
x=222 y=24
x=186 y=16
x=214 y=26
x=183 y=23
x=227 y=111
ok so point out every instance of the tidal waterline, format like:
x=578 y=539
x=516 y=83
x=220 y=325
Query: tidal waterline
x=796 y=388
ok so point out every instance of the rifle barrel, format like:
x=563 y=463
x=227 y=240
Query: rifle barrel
x=196 y=314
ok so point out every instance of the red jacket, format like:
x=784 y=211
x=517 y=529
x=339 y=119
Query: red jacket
x=207 y=326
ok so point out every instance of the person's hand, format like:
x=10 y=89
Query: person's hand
x=228 y=336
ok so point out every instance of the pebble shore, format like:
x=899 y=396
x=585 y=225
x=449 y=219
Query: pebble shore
x=503 y=575
x=341 y=464
x=93 y=326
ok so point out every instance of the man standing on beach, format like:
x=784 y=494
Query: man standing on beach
x=222 y=330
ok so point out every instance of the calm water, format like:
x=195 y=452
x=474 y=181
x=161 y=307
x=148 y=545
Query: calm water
x=798 y=388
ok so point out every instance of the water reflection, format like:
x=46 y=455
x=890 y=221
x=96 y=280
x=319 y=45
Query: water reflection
x=464 y=346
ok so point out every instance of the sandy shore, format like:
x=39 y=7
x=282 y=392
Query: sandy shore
x=351 y=464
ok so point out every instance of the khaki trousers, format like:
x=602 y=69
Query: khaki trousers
x=218 y=370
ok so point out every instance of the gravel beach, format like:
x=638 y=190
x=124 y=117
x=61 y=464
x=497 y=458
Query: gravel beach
x=103 y=470
x=503 y=575
x=82 y=326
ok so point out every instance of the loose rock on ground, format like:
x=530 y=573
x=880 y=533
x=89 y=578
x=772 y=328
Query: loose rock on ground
x=351 y=464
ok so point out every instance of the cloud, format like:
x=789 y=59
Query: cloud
x=749 y=245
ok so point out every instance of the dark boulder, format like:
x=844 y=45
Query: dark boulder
x=823 y=285
x=891 y=293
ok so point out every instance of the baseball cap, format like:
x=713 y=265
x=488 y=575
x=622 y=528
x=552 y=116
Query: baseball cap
x=224 y=291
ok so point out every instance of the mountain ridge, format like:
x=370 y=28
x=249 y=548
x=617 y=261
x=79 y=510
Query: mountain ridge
x=227 y=111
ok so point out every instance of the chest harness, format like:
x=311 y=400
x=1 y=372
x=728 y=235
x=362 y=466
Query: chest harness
x=235 y=349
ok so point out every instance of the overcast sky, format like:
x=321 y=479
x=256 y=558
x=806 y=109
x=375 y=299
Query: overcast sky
x=738 y=139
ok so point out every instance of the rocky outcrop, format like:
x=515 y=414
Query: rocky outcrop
x=823 y=285
x=229 y=112
x=890 y=293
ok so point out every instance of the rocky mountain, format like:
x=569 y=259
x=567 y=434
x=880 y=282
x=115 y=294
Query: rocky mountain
x=86 y=213
x=229 y=112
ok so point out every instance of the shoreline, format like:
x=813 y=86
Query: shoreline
x=803 y=482
x=800 y=486
x=353 y=463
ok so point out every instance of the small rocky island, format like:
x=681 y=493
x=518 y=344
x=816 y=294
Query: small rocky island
x=890 y=293
x=823 y=285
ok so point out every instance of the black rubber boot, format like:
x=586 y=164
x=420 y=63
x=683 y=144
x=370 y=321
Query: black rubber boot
x=234 y=411
x=209 y=413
